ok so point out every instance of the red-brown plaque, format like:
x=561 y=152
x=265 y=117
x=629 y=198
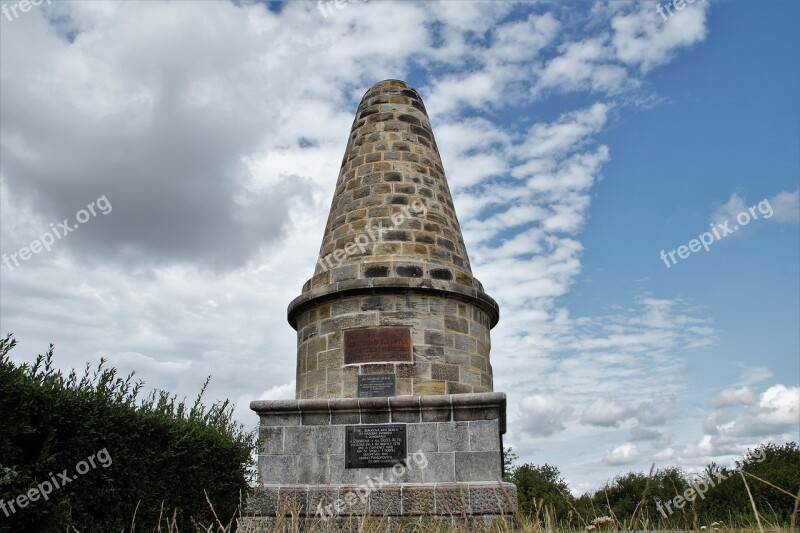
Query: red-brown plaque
x=377 y=345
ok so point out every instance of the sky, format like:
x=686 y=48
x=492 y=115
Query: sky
x=626 y=175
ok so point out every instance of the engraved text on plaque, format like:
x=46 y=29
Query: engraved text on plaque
x=373 y=385
x=377 y=345
x=375 y=446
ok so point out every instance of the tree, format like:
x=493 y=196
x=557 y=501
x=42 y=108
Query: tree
x=778 y=466
x=508 y=462
x=542 y=485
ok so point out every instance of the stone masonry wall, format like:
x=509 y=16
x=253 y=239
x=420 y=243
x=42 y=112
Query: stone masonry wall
x=450 y=340
x=392 y=167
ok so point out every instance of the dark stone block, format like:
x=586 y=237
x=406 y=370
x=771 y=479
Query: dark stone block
x=393 y=176
x=422 y=132
x=376 y=272
x=399 y=200
x=410 y=119
x=441 y=273
x=409 y=271
x=453 y=323
x=397 y=235
x=376 y=303
x=446 y=244
x=444 y=372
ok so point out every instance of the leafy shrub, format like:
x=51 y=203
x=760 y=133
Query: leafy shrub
x=165 y=457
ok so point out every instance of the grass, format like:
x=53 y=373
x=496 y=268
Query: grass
x=543 y=520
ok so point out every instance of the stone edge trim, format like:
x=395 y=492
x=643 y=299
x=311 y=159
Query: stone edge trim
x=461 y=407
x=356 y=287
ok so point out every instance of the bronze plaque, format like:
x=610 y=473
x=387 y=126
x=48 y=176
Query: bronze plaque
x=375 y=446
x=377 y=345
x=376 y=385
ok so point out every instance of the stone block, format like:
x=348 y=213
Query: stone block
x=453 y=436
x=315 y=412
x=280 y=418
x=429 y=388
x=299 y=440
x=329 y=440
x=271 y=439
x=452 y=500
x=492 y=499
x=293 y=500
x=484 y=435
x=435 y=408
x=418 y=500
x=319 y=498
x=344 y=411
x=277 y=469
x=440 y=468
x=385 y=501
x=263 y=501
x=314 y=469
x=422 y=437
x=478 y=466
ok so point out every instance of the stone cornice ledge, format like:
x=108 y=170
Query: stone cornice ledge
x=368 y=286
x=396 y=409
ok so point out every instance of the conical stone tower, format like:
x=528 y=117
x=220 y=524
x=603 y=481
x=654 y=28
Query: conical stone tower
x=393 y=257
x=394 y=417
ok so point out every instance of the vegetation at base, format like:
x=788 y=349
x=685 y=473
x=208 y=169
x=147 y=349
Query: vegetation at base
x=167 y=459
x=188 y=468
x=647 y=501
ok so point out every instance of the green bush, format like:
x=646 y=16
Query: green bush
x=728 y=501
x=139 y=458
x=541 y=487
x=724 y=498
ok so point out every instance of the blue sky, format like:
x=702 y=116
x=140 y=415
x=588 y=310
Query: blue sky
x=579 y=139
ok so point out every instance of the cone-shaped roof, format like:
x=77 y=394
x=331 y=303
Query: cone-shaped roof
x=392 y=221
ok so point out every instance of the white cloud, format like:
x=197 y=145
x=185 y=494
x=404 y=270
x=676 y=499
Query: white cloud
x=734 y=396
x=664 y=455
x=778 y=410
x=279 y=392
x=738 y=212
x=543 y=415
x=584 y=65
x=656 y=410
x=786 y=206
x=606 y=413
x=622 y=455
x=642 y=38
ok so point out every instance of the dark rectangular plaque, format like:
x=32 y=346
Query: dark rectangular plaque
x=375 y=446
x=372 y=385
x=377 y=345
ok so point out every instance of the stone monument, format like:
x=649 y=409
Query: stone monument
x=395 y=419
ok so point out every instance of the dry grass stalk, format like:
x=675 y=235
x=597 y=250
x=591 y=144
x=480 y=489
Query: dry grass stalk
x=752 y=501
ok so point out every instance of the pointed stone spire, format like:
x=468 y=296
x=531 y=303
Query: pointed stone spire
x=393 y=230
x=391 y=168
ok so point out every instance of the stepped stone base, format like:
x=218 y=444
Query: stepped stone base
x=450 y=474
x=388 y=508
